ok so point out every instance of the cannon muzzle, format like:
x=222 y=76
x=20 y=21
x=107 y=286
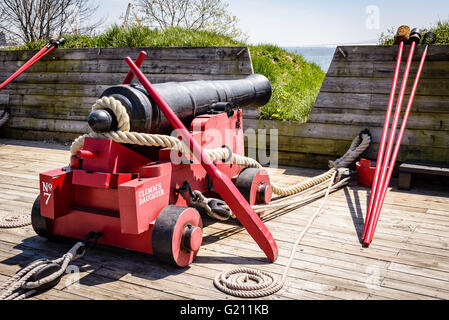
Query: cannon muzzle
x=187 y=99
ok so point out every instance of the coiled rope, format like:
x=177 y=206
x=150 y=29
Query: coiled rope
x=15 y=220
x=251 y=283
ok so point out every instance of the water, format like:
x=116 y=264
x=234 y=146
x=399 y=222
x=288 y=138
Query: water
x=322 y=56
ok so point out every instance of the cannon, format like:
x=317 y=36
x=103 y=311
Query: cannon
x=187 y=99
x=139 y=198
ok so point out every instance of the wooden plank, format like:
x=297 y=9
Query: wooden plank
x=48 y=125
x=45 y=136
x=250 y=113
x=229 y=67
x=415 y=288
x=430 y=87
x=343 y=116
x=319 y=235
x=385 y=69
x=113 y=78
x=389 y=53
x=377 y=102
x=412 y=138
x=107 y=288
x=428 y=273
x=57 y=111
x=154 y=53
x=425 y=168
x=52 y=89
x=4 y=99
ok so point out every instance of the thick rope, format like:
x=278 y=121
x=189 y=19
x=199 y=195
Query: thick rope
x=117 y=108
x=239 y=282
x=294 y=200
x=358 y=146
x=15 y=220
x=18 y=287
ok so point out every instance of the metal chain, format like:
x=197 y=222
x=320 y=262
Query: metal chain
x=199 y=199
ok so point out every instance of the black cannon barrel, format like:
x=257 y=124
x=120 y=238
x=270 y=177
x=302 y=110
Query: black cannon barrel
x=187 y=99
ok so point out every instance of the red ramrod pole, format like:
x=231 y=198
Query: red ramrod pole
x=130 y=76
x=383 y=141
x=29 y=63
x=396 y=149
x=392 y=135
x=222 y=183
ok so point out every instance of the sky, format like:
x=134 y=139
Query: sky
x=315 y=23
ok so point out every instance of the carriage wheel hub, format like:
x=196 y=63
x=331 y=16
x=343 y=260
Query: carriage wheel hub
x=192 y=237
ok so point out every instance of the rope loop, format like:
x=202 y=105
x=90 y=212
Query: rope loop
x=117 y=108
x=19 y=287
x=231 y=282
x=15 y=220
x=358 y=146
x=247 y=283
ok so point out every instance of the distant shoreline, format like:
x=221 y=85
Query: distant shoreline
x=322 y=56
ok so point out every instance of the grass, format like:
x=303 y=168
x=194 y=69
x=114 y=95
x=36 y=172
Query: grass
x=441 y=30
x=295 y=82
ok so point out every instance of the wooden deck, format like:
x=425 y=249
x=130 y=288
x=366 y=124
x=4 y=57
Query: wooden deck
x=408 y=259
